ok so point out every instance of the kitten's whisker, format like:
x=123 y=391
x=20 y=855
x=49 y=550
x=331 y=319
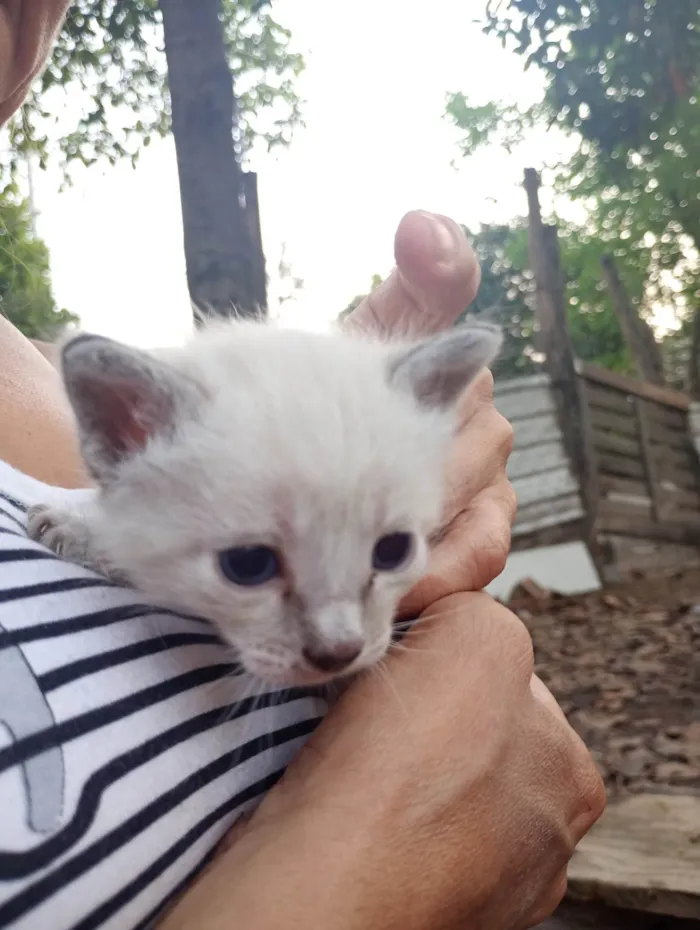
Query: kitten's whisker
x=402 y=647
x=385 y=677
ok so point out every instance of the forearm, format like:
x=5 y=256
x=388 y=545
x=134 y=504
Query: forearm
x=289 y=871
x=37 y=434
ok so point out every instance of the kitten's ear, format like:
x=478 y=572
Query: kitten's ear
x=437 y=370
x=121 y=398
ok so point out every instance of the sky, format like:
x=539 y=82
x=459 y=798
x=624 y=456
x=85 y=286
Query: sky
x=375 y=145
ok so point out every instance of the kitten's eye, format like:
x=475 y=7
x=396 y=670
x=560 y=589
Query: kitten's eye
x=250 y=565
x=392 y=551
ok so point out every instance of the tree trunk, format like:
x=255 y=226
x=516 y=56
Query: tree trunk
x=223 y=269
x=637 y=332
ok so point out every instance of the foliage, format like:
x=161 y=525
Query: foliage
x=109 y=64
x=618 y=71
x=506 y=296
x=623 y=76
x=25 y=283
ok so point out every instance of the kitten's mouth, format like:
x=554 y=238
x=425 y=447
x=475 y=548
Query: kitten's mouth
x=295 y=676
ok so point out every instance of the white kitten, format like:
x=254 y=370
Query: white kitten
x=280 y=484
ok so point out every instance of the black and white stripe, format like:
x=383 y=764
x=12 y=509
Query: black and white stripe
x=155 y=739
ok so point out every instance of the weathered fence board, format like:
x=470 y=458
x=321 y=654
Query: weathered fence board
x=539 y=469
x=526 y=403
x=547 y=456
x=543 y=514
x=545 y=485
x=644 y=854
x=537 y=429
x=646 y=509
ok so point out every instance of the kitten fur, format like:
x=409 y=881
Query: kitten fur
x=314 y=445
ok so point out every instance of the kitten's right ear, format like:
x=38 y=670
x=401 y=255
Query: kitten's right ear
x=121 y=398
x=437 y=370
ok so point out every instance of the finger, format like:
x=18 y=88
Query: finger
x=473 y=554
x=478 y=395
x=436 y=278
x=542 y=694
x=478 y=456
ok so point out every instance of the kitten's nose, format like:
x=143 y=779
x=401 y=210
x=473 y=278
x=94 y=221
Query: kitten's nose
x=334 y=658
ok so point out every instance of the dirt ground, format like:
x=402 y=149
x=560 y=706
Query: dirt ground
x=625 y=666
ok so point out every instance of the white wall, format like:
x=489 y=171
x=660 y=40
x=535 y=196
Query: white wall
x=566 y=568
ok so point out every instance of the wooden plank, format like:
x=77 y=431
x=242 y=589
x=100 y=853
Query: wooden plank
x=546 y=513
x=624 y=487
x=679 y=517
x=673 y=419
x=636 y=508
x=549 y=536
x=536 y=459
x=535 y=430
x=643 y=853
x=628 y=557
x=614 y=422
x=524 y=404
x=681 y=459
x=590 y=482
x=694 y=422
x=607 y=399
x=545 y=486
x=643 y=528
x=677 y=478
x=648 y=455
x=612 y=464
x=611 y=442
x=678 y=498
x=586 y=915
x=665 y=435
x=519 y=384
x=624 y=383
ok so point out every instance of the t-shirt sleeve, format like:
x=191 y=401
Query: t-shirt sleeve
x=129 y=739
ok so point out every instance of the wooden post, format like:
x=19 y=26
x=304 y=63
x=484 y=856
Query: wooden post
x=637 y=332
x=555 y=343
x=648 y=463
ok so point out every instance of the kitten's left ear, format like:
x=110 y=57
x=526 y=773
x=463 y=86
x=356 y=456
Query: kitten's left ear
x=437 y=370
x=122 y=398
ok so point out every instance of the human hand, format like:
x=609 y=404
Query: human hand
x=436 y=277
x=446 y=793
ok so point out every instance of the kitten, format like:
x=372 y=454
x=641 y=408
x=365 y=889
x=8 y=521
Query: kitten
x=281 y=484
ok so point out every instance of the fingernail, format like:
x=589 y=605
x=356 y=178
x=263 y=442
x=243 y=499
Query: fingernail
x=443 y=236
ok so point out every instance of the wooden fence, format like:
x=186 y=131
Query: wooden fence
x=548 y=493
x=647 y=499
x=640 y=511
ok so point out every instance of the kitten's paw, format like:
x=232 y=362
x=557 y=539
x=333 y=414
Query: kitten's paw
x=58 y=530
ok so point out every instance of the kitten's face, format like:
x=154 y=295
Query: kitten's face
x=289 y=503
x=303 y=587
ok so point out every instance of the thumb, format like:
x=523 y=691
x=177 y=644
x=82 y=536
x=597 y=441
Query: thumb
x=435 y=279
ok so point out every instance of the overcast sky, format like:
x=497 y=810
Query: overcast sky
x=376 y=144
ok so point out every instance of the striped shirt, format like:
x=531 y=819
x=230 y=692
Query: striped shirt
x=129 y=741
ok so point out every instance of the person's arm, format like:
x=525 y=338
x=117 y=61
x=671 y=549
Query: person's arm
x=37 y=433
x=446 y=793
